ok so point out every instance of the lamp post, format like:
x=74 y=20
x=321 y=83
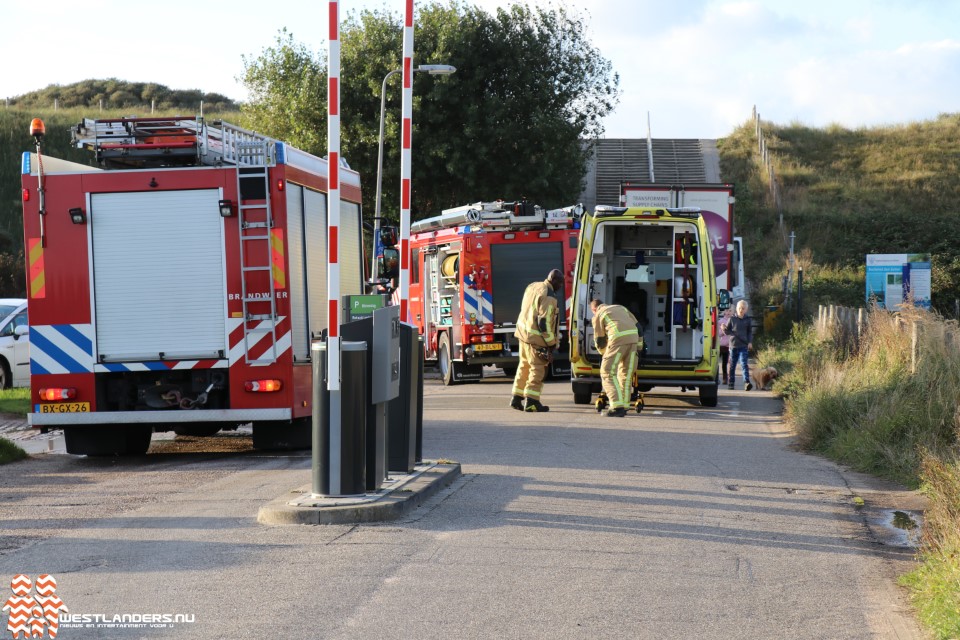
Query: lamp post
x=432 y=69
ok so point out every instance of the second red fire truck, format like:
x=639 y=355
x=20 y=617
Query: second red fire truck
x=469 y=268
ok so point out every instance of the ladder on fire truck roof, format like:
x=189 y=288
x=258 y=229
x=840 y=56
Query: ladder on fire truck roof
x=149 y=142
x=256 y=249
x=500 y=216
x=172 y=141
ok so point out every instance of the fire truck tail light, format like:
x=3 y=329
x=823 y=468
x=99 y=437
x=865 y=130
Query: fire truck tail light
x=53 y=394
x=263 y=386
x=26 y=195
x=281 y=184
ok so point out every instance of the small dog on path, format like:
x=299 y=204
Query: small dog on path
x=763 y=377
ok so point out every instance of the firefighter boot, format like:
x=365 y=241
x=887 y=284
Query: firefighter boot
x=535 y=406
x=619 y=412
x=517 y=403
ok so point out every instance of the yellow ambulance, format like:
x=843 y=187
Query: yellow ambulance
x=658 y=263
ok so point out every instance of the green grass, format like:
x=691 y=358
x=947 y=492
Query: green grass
x=846 y=193
x=868 y=410
x=15 y=401
x=935 y=584
x=874 y=412
x=934 y=589
x=9 y=452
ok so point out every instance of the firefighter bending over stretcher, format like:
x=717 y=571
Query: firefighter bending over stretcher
x=616 y=337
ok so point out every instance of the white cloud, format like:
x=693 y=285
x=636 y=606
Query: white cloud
x=818 y=67
x=911 y=82
x=698 y=66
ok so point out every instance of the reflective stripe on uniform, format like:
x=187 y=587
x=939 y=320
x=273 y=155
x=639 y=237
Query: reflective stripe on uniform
x=617 y=402
x=549 y=337
x=609 y=324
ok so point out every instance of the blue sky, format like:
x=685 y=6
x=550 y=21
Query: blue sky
x=696 y=66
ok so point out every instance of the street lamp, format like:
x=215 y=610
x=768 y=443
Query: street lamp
x=432 y=69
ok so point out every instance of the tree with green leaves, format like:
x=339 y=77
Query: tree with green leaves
x=511 y=122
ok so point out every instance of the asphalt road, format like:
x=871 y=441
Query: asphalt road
x=681 y=522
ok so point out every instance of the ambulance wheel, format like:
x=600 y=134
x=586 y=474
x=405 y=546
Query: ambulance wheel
x=108 y=440
x=708 y=396
x=581 y=393
x=6 y=380
x=445 y=360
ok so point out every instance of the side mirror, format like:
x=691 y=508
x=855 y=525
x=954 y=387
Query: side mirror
x=388 y=263
x=723 y=300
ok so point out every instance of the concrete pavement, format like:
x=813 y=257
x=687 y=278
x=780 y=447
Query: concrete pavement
x=680 y=522
x=401 y=493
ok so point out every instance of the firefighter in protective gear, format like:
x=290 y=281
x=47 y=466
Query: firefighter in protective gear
x=616 y=336
x=537 y=333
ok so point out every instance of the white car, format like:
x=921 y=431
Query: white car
x=14 y=343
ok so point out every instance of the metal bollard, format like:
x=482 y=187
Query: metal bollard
x=404 y=409
x=339 y=462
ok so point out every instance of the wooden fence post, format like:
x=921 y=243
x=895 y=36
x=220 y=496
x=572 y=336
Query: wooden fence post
x=913 y=346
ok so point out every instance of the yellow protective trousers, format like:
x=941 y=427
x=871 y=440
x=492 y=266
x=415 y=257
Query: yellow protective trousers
x=530 y=373
x=616 y=373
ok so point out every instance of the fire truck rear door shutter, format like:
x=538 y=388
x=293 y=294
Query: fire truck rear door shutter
x=158 y=275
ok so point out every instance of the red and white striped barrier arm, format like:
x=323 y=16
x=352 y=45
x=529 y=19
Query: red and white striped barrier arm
x=406 y=134
x=333 y=200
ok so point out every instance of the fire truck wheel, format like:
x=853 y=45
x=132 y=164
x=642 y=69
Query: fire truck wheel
x=6 y=380
x=138 y=440
x=283 y=435
x=110 y=440
x=445 y=360
x=510 y=370
x=198 y=430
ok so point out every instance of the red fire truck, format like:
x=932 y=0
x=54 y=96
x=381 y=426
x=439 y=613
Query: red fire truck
x=469 y=268
x=178 y=284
